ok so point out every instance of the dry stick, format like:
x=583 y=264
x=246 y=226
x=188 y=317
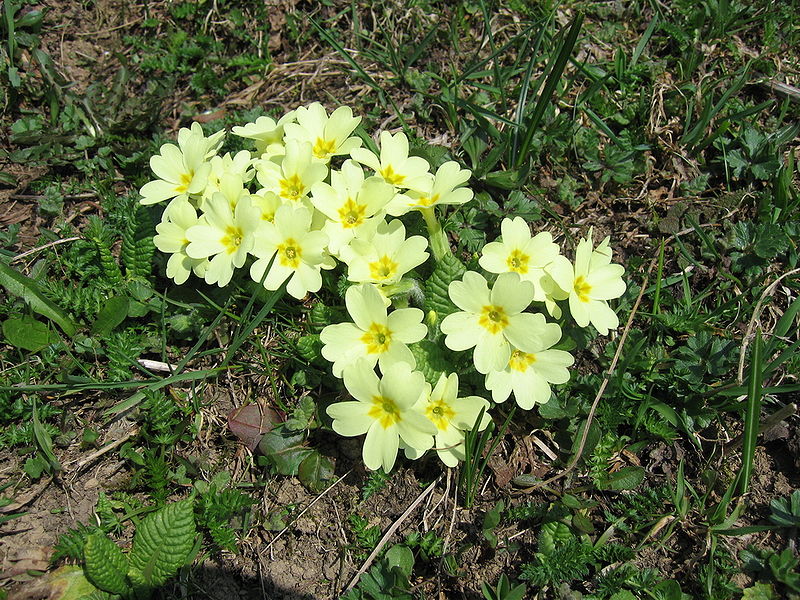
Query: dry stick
x=107 y=448
x=45 y=247
x=602 y=389
x=768 y=291
x=305 y=510
x=390 y=532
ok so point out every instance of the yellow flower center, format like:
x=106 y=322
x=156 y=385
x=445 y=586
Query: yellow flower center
x=292 y=188
x=428 y=200
x=383 y=268
x=385 y=411
x=493 y=318
x=352 y=214
x=232 y=239
x=582 y=288
x=186 y=181
x=389 y=176
x=520 y=361
x=518 y=262
x=377 y=338
x=324 y=148
x=440 y=413
x=289 y=253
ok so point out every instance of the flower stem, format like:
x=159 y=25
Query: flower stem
x=437 y=238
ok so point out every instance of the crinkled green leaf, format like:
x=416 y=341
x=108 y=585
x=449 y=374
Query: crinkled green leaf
x=310 y=347
x=437 y=297
x=162 y=542
x=26 y=288
x=430 y=359
x=551 y=534
x=106 y=565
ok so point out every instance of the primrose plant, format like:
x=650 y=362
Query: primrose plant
x=308 y=198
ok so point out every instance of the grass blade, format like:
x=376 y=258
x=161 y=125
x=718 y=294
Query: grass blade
x=752 y=415
x=556 y=69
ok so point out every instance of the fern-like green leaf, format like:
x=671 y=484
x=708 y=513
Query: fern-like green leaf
x=70 y=545
x=437 y=297
x=162 y=543
x=106 y=565
x=137 y=243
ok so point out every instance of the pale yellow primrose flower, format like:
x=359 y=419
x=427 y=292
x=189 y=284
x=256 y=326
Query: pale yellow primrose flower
x=375 y=336
x=386 y=257
x=394 y=165
x=293 y=177
x=530 y=372
x=444 y=188
x=491 y=321
x=268 y=202
x=171 y=238
x=265 y=131
x=328 y=136
x=181 y=170
x=520 y=253
x=211 y=144
x=384 y=411
x=228 y=175
x=299 y=252
x=452 y=416
x=226 y=235
x=590 y=284
x=351 y=204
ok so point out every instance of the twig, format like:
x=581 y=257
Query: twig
x=107 y=448
x=305 y=510
x=45 y=247
x=390 y=532
x=101 y=31
x=81 y=196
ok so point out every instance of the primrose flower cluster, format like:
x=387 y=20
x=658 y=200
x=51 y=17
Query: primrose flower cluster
x=308 y=197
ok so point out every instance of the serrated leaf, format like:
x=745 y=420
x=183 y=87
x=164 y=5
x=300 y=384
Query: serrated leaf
x=106 y=565
x=284 y=449
x=437 y=297
x=28 y=334
x=162 y=542
x=112 y=314
x=26 y=288
x=315 y=471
